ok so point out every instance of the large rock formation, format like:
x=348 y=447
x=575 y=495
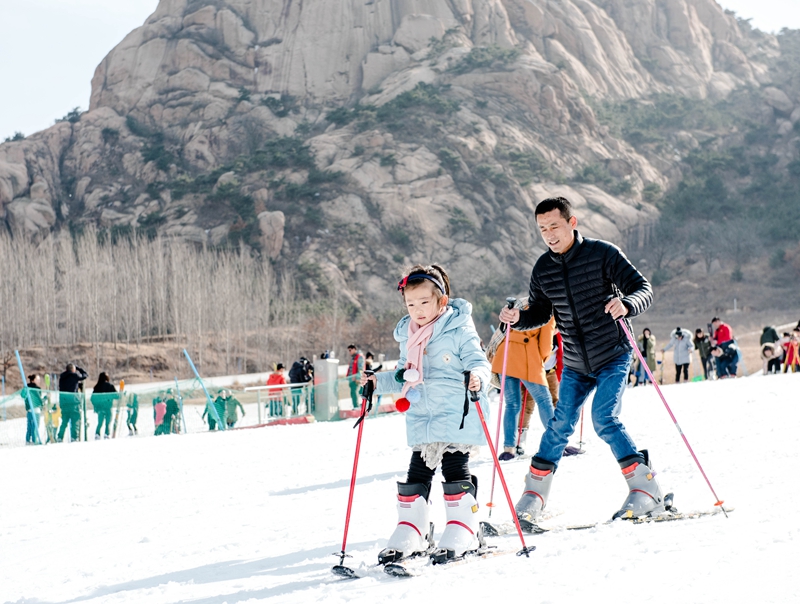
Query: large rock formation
x=467 y=112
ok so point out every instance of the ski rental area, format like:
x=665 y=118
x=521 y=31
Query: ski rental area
x=258 y=515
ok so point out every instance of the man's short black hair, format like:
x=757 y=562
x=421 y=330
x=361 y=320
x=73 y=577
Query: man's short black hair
x=715 y=319
x=555 y=203
x=353 y=346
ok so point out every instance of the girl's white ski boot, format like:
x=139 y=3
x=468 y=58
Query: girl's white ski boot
x=462 y=533
x=414 y=533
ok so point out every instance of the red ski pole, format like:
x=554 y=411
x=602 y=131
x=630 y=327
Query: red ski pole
x=366 y=407
x=475 y=397
x=628 y=333
x=580 y=439
x=510 y=302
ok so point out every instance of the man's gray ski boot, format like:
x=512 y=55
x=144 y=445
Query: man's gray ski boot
x=644 y=497
x=414 y=533
x=537 y=489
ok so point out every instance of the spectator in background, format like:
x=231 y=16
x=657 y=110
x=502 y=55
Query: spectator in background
x=682 y=355
x=369 y=363
x=68 y=384
x=771 y=355
x=159 y=411
x=172 y=414
x=354 y=371
x=276 y=394
x=33 y=400
x=727 y=358
x=769 y=336
x=103 y=403
x=703 y=345
x=793 y=353
x=231 y=406
x=647 y=346
x=722 y=332
x=220 y=407
x=132 y=409
x=302 y=372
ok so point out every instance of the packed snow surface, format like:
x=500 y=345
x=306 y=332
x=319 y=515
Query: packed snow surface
x=256 y=515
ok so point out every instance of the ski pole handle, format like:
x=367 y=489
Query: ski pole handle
x=474 y=395
x=511 y=302
x=369 y=388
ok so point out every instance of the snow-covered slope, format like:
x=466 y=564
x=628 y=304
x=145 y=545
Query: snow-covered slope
x=255 y=515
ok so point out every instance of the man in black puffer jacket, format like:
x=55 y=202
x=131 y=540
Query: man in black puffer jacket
x=587 y=284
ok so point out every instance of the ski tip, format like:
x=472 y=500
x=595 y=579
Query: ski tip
x=398 y=570
x=344 y=572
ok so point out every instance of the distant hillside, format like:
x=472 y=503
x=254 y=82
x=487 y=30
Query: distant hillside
x=344 y=140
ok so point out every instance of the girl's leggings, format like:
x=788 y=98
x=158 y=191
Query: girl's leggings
x=454 y=468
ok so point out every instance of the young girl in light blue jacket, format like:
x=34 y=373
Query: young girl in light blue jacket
x=438 y=345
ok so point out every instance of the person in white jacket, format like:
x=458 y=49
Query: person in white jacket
x=681 y=342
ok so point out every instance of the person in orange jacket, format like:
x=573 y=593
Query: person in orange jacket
x=527 y=352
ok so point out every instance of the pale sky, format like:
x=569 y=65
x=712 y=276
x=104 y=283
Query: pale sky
x=49 y=50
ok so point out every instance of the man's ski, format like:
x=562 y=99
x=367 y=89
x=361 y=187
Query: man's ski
x=491 y=529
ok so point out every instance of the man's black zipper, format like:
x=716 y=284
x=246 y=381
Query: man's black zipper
x=575 y=315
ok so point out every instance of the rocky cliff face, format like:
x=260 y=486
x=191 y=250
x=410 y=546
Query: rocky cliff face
x=345 y=138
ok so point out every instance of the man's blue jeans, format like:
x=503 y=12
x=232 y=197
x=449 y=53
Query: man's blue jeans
x=609 y=382
x=513 y=395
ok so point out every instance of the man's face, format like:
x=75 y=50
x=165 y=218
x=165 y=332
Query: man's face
x=556 y=232
x=715 y=324
x=352 y=351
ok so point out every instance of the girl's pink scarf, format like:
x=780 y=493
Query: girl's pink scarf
x=418 y=338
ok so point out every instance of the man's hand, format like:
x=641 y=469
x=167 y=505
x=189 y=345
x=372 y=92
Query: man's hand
x=367 y=378
x=474 y=383
x=616 y=308
x=509 y=315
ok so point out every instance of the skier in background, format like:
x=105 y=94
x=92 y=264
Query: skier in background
x=588 y=285
x=438 y=343
x=527 y=351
